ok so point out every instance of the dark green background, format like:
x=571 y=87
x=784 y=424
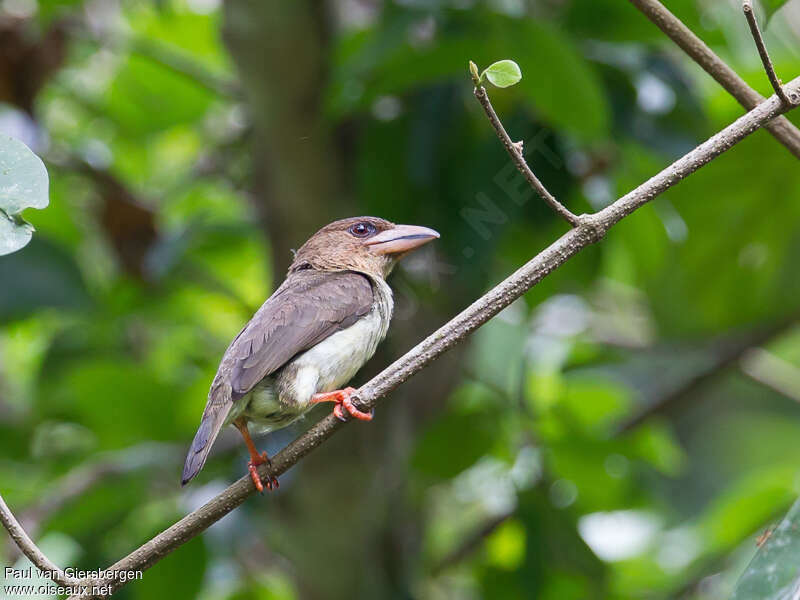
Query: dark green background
x=190 y=146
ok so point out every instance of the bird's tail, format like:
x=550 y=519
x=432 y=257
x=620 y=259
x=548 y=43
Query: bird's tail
x=214 y=415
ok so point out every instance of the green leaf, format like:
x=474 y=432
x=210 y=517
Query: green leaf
x=23 y=184
x=15 y=233
x=503 y=73
x=147 y=98
x=772 y=574
x=770 y=6
x=23 y=177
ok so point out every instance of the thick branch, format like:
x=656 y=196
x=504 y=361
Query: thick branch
x=591 y=229
x=747 y=8
x=783 y=130
x=30 y=549
x=515 y=152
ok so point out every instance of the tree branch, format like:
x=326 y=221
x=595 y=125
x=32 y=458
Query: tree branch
x=590 y=230
x=30 y=549
x=729 y=353
x=747 y=8
x=471 y=543
x=515 y=152
x=783 y=130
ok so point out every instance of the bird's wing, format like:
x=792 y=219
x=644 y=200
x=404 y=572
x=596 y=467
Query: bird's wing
x=311 y=306
x=306 y=309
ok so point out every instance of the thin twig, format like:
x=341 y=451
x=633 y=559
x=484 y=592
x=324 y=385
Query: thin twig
x=31 y=550
x=783 y=130
x=515 y=152
x=591 y=229
x=749 y=14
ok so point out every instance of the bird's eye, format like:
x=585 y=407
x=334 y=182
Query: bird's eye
x=362 y=229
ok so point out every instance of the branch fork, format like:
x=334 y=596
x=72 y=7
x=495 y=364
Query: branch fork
x=781 y=128
x=749 y=14
x=514 y=150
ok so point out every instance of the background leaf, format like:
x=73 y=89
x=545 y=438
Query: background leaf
x=14 y=234
x=23 y=177
x=773 y=572
x=771 y=6
x=23 y=184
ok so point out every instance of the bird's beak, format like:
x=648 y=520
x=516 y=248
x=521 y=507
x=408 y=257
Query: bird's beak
x=400 y=238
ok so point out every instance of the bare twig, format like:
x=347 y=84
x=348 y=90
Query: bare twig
x=30 y=549
x=783 y=130
x=591 y=229
x=747 y=9
x=515 y=152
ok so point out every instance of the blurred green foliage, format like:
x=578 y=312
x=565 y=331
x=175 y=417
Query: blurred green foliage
x=191 y=145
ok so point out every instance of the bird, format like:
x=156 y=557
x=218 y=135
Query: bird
x=309 y=338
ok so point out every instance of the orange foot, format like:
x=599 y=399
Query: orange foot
x=256 y=459
x=342 y=399
x=252 y=466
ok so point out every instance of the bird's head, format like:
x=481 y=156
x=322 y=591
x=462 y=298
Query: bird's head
x=365 y=244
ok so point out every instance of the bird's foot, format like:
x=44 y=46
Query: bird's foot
x=256 y=459
x=342 y=399
x=252 y=466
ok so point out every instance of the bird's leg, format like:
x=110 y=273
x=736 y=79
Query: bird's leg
x=342 y=399
x=256 y=459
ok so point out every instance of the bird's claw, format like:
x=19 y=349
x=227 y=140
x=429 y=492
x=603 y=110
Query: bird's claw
x=343 y=400
x=252 y=466
x=337 y=412
x=355 y=412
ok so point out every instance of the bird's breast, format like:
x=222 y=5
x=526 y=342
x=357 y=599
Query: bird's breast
x=334 y=361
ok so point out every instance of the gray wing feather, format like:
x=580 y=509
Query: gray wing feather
x=306 y=309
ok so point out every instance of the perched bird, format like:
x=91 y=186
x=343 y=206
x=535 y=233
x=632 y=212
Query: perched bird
x=310 y=337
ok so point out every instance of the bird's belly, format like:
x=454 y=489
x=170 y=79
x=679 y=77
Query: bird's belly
x=263 y=408
x=285 y=396
x=334 y=361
